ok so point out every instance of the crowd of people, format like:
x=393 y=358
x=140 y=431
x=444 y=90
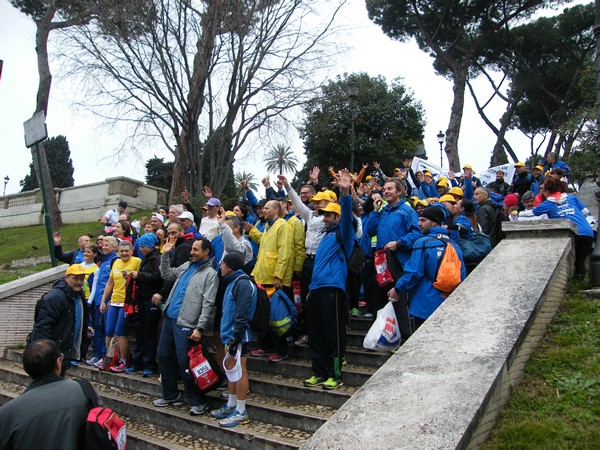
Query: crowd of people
x=198 y=270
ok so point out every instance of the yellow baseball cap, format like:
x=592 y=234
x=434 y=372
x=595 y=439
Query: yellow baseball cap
x=319 y=196
x=519 y=164
x=538 y=167
x=76 y=270
x=467 y=166
x=456 y=191
x=331 y=207
x=447 y=198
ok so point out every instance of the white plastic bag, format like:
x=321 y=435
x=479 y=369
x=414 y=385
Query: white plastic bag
x=235 y=373
x=384 y=334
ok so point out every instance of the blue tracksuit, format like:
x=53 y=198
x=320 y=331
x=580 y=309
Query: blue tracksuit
x=391 y=224
x=420 y=273
x=239 y=305
x=330 y=269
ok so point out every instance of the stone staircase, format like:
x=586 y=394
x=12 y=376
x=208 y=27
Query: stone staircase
x=283 y=412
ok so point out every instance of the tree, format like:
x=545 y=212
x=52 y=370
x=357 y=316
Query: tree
x=280 y=159
x=207 y=78
x=249 y=177
x=113 y=14
x=60 y=165
x=159 y=172
x=454 y=33
x=388 y=123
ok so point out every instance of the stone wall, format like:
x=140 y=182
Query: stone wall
x=17 y=305
x=446 y=386
x=84 y=203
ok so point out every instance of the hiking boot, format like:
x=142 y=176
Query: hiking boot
x=223 y=412
x=355 y=312
x=198 y=410
x=276 y=357
x=161 y=402
x=333 y=383
x=314 y=381
x=92 y=361
x=259 y=352
x=235 y=418
x=302 y=341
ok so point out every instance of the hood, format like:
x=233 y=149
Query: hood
x=558 y=198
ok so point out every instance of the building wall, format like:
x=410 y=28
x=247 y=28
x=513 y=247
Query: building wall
x=84 y=203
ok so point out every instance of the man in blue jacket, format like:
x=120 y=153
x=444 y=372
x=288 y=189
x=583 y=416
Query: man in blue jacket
x=421 y=270
x=239 y=305
x=327 y=302
x=391 y=223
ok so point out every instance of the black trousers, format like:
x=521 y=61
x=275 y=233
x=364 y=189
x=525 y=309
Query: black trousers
x=327 y=315
x=583 y=249
x=146 y=336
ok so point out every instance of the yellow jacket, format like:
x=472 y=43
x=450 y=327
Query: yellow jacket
x=275 y=257
x=298 y=238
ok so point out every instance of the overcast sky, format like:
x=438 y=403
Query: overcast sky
x=91 y=150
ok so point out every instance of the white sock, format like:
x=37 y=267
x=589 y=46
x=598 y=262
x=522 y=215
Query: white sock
x=232 y=400
x=241 y=406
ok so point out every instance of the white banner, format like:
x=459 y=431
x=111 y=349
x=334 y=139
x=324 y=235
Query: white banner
x=490 y=175
x=486 y=177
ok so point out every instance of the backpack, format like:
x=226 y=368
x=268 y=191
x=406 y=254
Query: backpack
x=475 y=248
x=262 y=314
x=447 y=276
x=357 y=257
x=104 y=429
x=283 y=313
x=131 y=305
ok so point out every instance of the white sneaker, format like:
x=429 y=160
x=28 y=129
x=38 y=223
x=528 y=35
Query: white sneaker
x=302 y=341
x=92 y=361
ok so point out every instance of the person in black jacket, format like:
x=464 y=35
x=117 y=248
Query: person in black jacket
x=72 y=257
x=489 y=215
x=62 y=316
x=149 y=282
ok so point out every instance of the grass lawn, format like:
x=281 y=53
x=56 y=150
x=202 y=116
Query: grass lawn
x=28 y=242
x=557 y=405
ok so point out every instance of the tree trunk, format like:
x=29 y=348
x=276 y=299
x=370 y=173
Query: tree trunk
x=43 y=28
x=456 y=113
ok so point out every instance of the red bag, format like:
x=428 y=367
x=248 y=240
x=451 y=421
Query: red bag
x=104 y=429
x=382 y=273
x=201 y=370
x=297 y=296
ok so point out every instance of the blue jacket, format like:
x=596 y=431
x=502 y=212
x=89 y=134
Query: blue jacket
x=468 y=188
x=239 y=305
x=420 y=273
x=565 y=207
x=392 y=224
x=330 y=269
x=557 y=165
x=428 y=190
x=102 y=274
x=535 y=185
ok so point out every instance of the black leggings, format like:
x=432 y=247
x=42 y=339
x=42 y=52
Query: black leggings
x=583 y=249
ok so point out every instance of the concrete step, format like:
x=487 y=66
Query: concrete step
x=360 y=324
x=140 y=435
x=354 y=355
x=353 y=375
x=177 y=420
x=266 y=407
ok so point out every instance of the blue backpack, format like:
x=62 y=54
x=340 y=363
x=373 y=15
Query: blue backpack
x=283 y=313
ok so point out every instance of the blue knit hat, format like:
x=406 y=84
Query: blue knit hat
x=148 y=240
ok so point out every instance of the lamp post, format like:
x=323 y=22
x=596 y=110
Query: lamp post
x=441 y=137
x=353 y=95
x=6 y=180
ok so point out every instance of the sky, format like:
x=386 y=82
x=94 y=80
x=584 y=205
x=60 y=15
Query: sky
x=92 y=147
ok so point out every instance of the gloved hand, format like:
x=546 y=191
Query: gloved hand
x=233 y=345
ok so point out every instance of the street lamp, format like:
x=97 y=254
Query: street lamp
x=353 y=94
x=441 y=137
x=6 y=180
